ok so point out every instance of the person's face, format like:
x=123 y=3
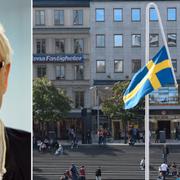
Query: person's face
x=4 y=72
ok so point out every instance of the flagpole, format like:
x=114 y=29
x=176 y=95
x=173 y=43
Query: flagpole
x=147 y=174
x=164 y=40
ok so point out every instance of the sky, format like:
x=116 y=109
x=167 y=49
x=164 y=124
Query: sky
x=15 y=16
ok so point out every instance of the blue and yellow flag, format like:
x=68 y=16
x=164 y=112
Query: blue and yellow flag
x=155 y=74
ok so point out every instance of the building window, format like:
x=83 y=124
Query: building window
x=118 y=66
x=59 y=46
x=59 y=17
x=136 y=14
x=78 y=46
x=41 y=71
x=79 y=99
x=118 y=15
x=174 y=63
x=136 y=65
x=136 y=40
x=171 y=14
x=154 y=40
x=118 y=40
x=40 y=17
x=153 y=15
x=172 y=40
x=79 y=72
x=100 y=66
x=100 y=40
x=100 y=15
x=77 y=17
x=40 y=46
x=60 y=72
x=164 y=95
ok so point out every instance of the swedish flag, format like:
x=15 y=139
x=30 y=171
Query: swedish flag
x=155 y=74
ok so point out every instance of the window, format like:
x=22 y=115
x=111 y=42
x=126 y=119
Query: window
x=77 y=17
x=58 y=17
x=40 y=46
x=40 y=17
x=100 y=40
x=153 y=15
x=118 y=66
x=41 y=71
x=59 y=46
x=136 y=40
x=136 y=65
x=171 y=16
x=100 y=15
x=174 y=63
x=79 y=99
x=164 y=95
x=118 y=40
x=154 y=40
x=171 y=40
x=60 y=72
x=100 y=66
x=79 y=72
x=118 y=15
x=78 y=46
x=136 y=14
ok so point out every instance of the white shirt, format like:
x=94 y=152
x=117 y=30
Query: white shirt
x=164 y=167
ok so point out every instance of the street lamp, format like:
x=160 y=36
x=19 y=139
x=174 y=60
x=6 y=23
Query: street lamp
x=97 y=102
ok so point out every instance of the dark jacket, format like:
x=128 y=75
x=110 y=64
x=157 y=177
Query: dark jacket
x=18 y=156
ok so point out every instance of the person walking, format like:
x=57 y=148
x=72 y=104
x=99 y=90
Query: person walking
x=98 y=173
x=164 y=169
x=82 y=174
x=74 y=172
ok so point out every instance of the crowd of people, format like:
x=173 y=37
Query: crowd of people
x=73 y=174
x=103 y=133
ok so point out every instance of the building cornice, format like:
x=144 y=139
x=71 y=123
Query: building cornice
x=61 y=3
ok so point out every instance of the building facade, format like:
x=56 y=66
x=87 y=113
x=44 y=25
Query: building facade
x=84 y=47
x=117 y=52
x=61 y=44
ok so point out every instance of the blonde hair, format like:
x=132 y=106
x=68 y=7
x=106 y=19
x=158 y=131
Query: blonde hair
x=5 y=47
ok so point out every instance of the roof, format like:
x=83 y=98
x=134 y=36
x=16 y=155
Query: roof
x=61 y=3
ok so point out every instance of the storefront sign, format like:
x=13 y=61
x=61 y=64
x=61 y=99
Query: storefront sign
x=58 y=58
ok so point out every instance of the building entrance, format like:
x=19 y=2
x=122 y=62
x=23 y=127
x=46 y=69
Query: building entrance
x=165 y=126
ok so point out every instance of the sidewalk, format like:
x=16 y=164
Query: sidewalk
x=121 y=142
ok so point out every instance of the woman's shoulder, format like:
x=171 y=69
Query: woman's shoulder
x=19 y=135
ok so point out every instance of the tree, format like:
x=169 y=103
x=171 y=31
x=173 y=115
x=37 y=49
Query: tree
x=114 y=105
x=49 y=103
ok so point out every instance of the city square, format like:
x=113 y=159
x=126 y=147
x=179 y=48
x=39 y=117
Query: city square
x=85 y=53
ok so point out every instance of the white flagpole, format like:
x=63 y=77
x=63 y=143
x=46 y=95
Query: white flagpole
x=147 y=99
x=147 y=135
x=164 y=39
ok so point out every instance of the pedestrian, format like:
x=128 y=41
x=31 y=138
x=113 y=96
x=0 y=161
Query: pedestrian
x=174 y=169
x=164 y=169
x=98 y=173
x=142 y=164
x=100 y=135
x=67 y=175
x=59 y=150
x=88 y=137
x=74 y=172
x=82 y=174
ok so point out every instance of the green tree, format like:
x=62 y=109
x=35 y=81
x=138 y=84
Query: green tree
x=49 y=103
x=114 y=106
